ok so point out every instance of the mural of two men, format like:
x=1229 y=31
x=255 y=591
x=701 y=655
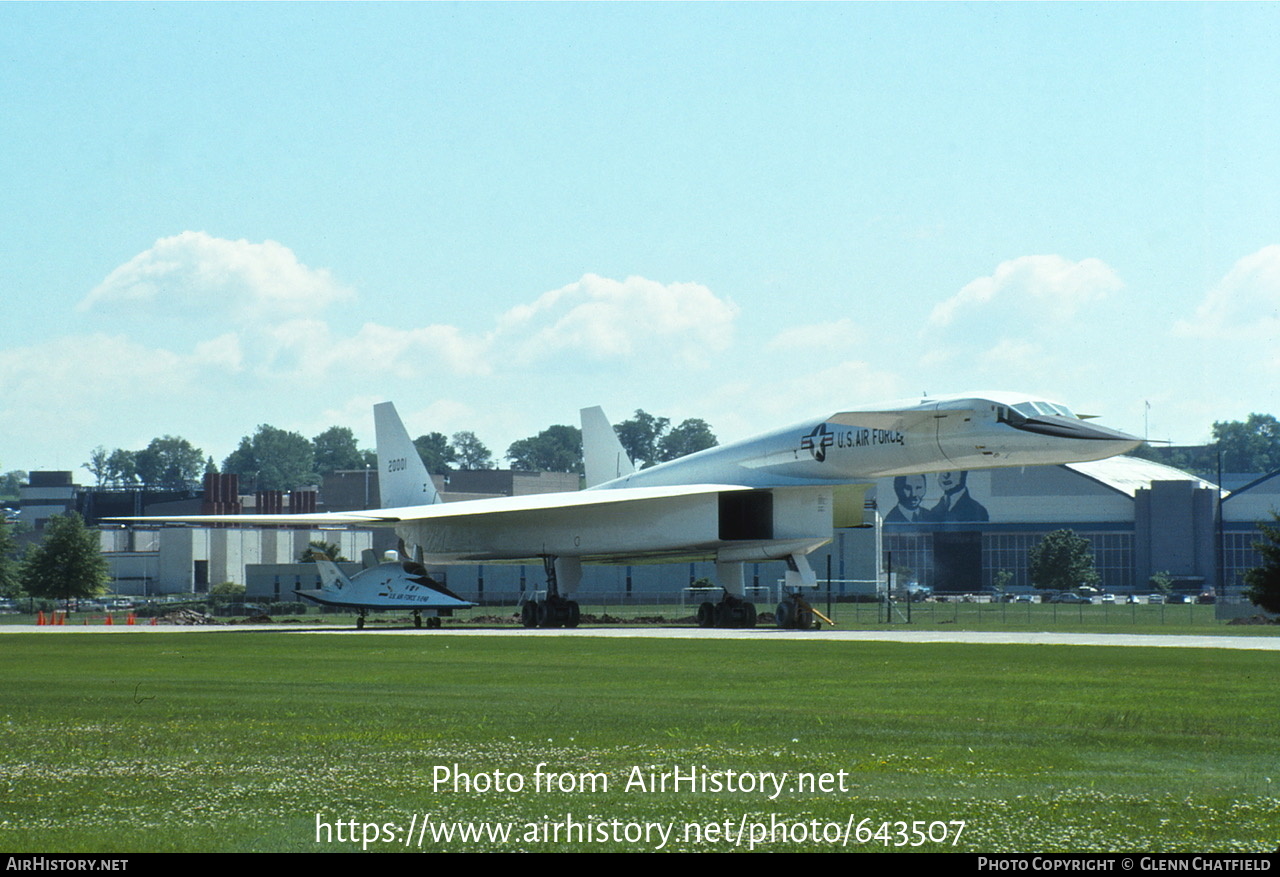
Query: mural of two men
x=955 y=504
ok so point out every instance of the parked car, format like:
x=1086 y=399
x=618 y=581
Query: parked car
x=1207 y=596
x=1068 y=597
x=1155 y=599
x=1108 y=598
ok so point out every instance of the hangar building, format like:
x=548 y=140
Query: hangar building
x=954 y=531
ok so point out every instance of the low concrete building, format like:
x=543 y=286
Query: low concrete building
x=147 y=561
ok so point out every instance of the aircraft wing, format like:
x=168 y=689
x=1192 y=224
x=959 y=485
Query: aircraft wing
x=453 y=511
x=623 y=525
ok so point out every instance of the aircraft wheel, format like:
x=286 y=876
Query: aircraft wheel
x=783 y=615
x=529 y=614
x=707 y=615
x=546 y=614
x=750 y=612
x=417 y=620
x=434 y=622
x=575 y=614
x=360 y=622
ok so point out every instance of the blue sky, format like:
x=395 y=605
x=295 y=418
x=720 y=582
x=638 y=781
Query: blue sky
x=219 y=215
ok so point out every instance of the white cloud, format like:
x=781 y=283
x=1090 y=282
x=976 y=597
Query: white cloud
x=63 y=391
x=275 y=305
x=817 y=336
x=1050 y=281
x=747 y=407
x=237 y=279
x=612 y=319
x=632 y=321
x=312 y=347
x=267 y=352
x=1244 y=305
x=1012 y=356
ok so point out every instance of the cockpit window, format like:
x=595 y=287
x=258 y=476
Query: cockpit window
x=1037 y=409
x=1009 y=416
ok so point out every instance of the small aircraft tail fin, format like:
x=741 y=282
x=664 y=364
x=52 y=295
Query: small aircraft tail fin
x=402 y=478
x=603 y=457
x=332 y=579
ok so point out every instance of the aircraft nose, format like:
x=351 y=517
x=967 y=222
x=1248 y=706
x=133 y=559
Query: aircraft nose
x=1071 y=428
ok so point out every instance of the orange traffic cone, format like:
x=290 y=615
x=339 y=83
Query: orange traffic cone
x=108 y=621
x=40 y=618
x=133 y=619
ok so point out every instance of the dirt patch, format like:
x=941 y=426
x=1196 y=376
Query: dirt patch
x=187 y=616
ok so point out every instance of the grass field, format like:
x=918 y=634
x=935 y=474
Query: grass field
x=242 y=741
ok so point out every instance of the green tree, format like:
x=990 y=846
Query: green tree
x=471 y=452
x=1061 y=562
x=318 y=547
x=689 y=437
x=335 y=449
x=68 y=564
x=273 y=459
x=640 y=436
x=1252 y=446
x=122 y=468
x=555 y=449
x=10 y=482
x=97 y=465
x=170 y=463
x=10 y=583
x=1262 y=583
x=227 y=589
x=116 y=468
x=436 y=452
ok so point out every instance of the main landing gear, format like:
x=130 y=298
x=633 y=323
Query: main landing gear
x=731 y=611
x=433 y=621
x=554 y=610
x=551 y=612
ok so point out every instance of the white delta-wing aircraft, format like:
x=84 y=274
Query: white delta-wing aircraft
x=777 y=496
x=394 y=584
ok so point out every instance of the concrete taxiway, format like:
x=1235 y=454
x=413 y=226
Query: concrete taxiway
x=1179 y=641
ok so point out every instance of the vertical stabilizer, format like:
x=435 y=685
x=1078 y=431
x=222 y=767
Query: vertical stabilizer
x=603 y=457
x=332 y=579
x=402 y=478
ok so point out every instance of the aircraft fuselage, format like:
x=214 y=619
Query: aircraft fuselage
x=938 y=435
